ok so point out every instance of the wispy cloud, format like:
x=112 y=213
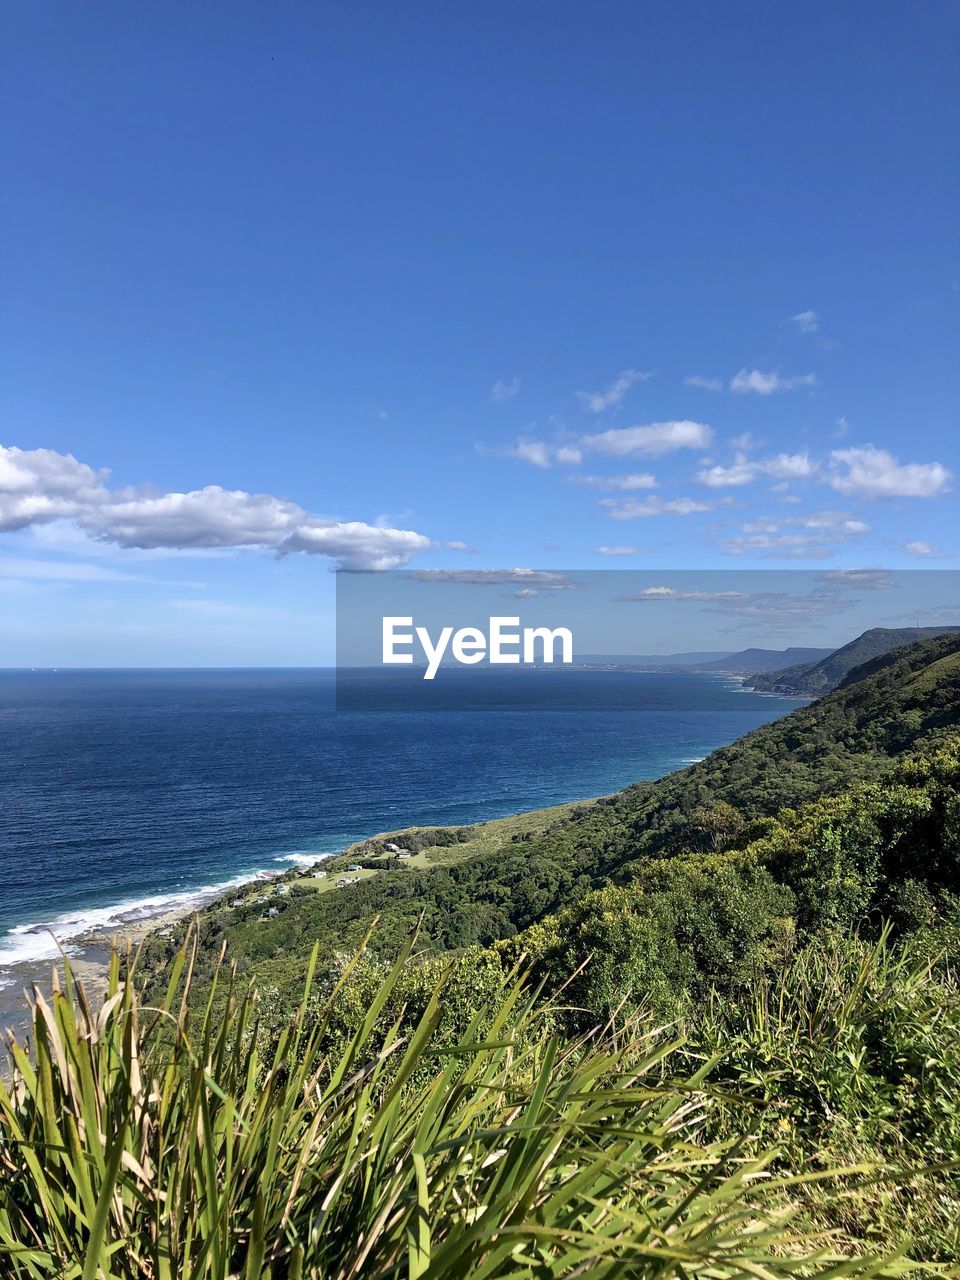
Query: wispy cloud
x=922 y=550
x=814 y=536
x=804 y=322
x=869 y=472
x=755 y=381
x=527 y=579
x=705 y=384
x=645 y=508
x=774 y=610
x=621 y=550
x=744 y=470
x=538 y=453
x=651 y=440
x=743 y=442
x=859 y=579
x=503 y=391
x=657 y=595
x=39 y=486
x=597 y=401
x=625 y=484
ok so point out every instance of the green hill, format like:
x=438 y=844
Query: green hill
x=526 y=870
x=813 y=678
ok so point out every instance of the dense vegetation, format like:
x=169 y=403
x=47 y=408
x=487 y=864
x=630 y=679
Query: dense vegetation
x=387 y=1145
x=854 y=735
x=813 y=678
x=709 y=1026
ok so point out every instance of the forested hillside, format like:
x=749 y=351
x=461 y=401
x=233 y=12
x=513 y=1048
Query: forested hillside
x=905 y=701
x=811 y=679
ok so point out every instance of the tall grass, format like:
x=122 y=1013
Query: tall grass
x=136 y=1144
x=852 y=1054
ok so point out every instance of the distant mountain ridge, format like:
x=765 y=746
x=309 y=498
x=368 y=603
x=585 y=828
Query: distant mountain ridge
x=752 y=661
x=652 y=661
x=744 y=662
x=813 y=678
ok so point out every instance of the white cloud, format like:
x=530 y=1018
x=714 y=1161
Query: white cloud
x=634 y=509
x=804 y=322
x=743 y=442
x=869 y=472
x=501 y=391
x=208 y=517
x=744 y=470
x=625 y=484
x=42 y=486
x=532 y=580
x=538 y=453
x=741 y=471
x=789 y=466
x=353 y=545
x=811 y=536
x=765 y=384
x=921 y=549
x=621 y=550
x=778 y=610
x=705 y=384
x=568 y=454
x=652 y=440
x=651 y=595
x=597 y=401
x=859 y=579
x=834 y=521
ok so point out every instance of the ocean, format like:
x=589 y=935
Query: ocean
x=123 y=793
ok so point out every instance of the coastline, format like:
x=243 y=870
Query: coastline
x=89 y=950
x=89 y=936
x=89 y=954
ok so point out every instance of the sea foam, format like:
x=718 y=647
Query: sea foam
x=39 y=940
x=301 y=859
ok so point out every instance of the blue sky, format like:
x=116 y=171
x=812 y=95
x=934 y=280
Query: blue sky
x=294 y=287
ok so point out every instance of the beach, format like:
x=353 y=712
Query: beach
x=89 y=956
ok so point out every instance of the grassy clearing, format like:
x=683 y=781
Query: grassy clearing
x=485 y=838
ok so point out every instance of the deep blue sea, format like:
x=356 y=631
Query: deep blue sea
x=123 y=792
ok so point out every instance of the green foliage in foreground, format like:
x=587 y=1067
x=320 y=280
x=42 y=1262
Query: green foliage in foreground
x=852 y=1054
x=130 y=1147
